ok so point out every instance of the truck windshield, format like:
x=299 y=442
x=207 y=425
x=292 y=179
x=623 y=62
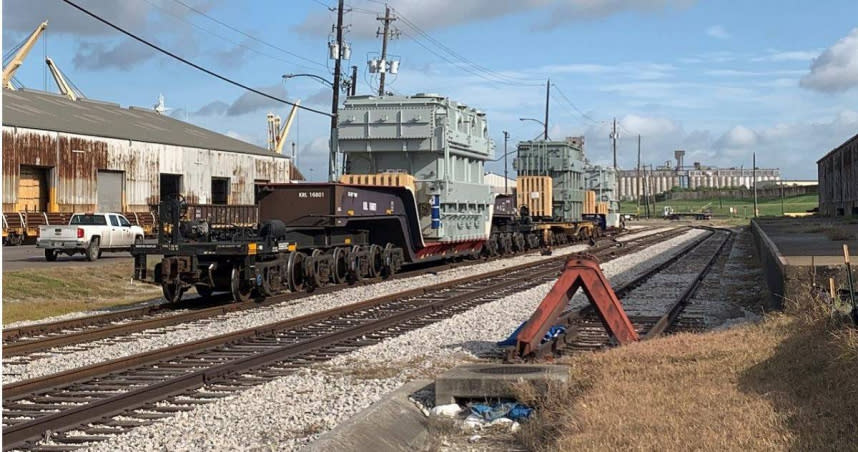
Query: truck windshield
x=89 y=220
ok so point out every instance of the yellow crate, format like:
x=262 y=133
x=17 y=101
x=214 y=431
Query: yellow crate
x=535 y=192
x=589 y=201
x=380 y=179
x=602 y=208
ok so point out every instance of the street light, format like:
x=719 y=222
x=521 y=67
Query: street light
x=544 y=126
x=321 y=79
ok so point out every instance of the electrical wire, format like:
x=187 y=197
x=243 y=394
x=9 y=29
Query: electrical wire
x=496 y=76
x=247 y=35
x=188 y=62
x=572 y=104
x=223 y=38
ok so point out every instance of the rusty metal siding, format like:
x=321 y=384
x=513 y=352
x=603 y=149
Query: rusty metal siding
x=73 y=181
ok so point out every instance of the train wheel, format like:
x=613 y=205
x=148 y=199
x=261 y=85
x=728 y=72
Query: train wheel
x=295 y=270
x=239 y=288
x=532 y=241
x=172 y=292
x=518 y=242
x=505 y=244
x=204 y=291
x=270 y=279
x=318 y=273
x=340 y=265
x=355 y=271
x=388 y=266
x=375 y=261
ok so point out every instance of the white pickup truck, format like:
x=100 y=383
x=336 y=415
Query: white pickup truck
x=90 y=234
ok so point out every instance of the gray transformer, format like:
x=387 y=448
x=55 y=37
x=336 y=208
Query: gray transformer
x=564 y=162
x=603 y=181
x=441 y=143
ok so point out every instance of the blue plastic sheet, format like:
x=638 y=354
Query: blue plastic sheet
x=552 y=333
x=489 y=412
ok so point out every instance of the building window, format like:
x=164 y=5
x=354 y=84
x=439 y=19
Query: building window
x=220 y=190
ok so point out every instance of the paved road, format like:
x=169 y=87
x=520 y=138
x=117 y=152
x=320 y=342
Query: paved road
x=30 y=257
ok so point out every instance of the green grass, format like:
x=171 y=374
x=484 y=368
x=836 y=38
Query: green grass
x=36 y=294
x=743 y=207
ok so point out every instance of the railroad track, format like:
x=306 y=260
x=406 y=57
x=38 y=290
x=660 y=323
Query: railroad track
x=95 y=402
x=655 y=303
x=22 y=342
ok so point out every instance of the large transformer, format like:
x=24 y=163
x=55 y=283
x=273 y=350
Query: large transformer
x=601 y=195
x=441 y=144
x=561 y=161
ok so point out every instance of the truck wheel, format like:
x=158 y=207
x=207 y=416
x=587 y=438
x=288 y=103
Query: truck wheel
x=50 y=255
x=93 y=251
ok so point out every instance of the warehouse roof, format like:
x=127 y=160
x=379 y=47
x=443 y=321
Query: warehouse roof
x=838 y=148
x=47 y=111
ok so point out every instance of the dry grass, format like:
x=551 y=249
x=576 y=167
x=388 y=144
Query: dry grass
x=786 y=383
x=36 y=294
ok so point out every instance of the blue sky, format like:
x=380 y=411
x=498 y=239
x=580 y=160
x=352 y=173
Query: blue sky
x=720 y=79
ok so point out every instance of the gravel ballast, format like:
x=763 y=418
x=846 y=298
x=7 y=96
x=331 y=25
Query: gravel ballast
x=65 y=358
x=291 y=411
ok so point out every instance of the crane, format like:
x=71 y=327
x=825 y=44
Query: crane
x=62 y=84
x=276 y=135
x=18 y=59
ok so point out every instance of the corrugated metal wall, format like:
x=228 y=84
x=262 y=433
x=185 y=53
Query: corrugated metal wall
x=73 y=161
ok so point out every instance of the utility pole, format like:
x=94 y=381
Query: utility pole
x=614 y=137
x=547 y=93
x=505 y=167
x=292 y=164
x=354 y=81
x=754 y=172
x=335 y=102
x=782 y=198
x=638 y=176
x=387 y=19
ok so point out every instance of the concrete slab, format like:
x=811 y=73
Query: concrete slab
x=798 y=253
x=394 y=423
x=482 y=381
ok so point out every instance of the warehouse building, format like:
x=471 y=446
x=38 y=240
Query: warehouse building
x=61 y=155
x=838 y=180
x=660 y=179
x=499 y=183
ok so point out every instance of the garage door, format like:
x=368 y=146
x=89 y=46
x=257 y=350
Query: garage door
x=110 y=190
x=33 y=189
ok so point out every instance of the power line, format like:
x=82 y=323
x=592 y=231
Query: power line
x=181 y=19
x=247 y=35
x=501 y=78
x=187 y=62
x=572 y=104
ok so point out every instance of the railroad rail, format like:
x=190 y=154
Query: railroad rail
x=585 y=331
x=25 y=340
x=81 y=405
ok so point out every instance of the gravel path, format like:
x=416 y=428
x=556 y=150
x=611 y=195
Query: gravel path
x=65 y=358
x=289 y=412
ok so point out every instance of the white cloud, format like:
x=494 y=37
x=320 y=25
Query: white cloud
x=737 y=137
x=718 y=32
x=794 y=55
x=436 y=14
x=836 y=69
